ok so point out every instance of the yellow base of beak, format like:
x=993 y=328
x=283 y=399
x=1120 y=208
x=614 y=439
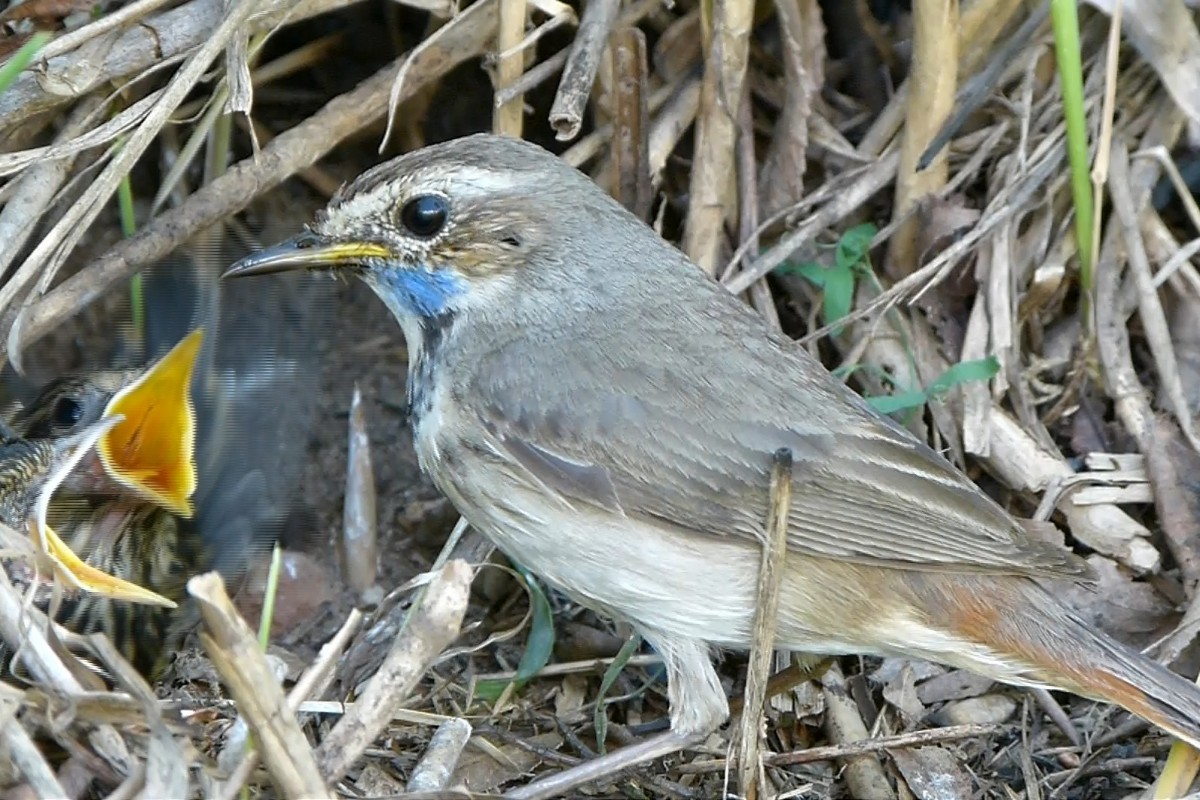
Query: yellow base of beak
x=70 y=568
x=153 y=450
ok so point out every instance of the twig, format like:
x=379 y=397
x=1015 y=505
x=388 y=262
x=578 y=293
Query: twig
x=20 y=750
x=630 y=143
x=532 y=79
x=314 y=681
x=166 y=772
x=1154 y=321
x=566 y=115
x=233 y=650
x=865 y=775
x=770 y=578
x=431 y=628
x=28 y=760
x=436 y=767
x=748 y=207
x=163 y=37
x=851 y=749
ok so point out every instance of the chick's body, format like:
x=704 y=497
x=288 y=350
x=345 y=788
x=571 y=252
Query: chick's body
x=115 y=531
x=246 y=451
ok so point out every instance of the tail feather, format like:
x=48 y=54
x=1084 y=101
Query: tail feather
x=1104 y=669
x=1043 y=643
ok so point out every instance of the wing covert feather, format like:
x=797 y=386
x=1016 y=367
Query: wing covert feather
x=692 y=450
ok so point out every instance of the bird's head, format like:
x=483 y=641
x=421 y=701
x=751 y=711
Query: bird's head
x=439 y=230
x=150 y=453
x=31 y=471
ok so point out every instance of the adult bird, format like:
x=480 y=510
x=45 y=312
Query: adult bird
x=607 y=414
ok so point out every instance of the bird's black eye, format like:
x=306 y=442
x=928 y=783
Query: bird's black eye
x=67 y=411
x=425 y=216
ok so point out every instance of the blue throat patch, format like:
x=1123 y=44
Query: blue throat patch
x=425 y=293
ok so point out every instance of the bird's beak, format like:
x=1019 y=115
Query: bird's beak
x=68 y=566
x=152 y=452
x=308 y=251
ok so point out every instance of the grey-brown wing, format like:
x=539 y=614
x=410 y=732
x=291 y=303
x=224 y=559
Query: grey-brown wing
x=676 y=446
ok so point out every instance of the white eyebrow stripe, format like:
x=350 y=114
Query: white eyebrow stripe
x=482 y=181
x=468 y=182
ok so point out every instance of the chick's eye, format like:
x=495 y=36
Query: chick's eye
x=425 y=216
x=67 y=411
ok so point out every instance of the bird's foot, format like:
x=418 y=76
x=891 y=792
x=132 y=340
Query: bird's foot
x=605 y=766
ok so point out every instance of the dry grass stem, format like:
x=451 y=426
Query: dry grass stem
x=713 y=186
x=433 y=771
x=234 y=651
x=579 y=73
x=509 y=117
x=770 y=578
x=933 y=83
x=431 y=628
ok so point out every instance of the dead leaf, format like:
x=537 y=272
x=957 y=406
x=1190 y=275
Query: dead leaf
x=1172 y=465
x=483 y=769
x=802 y=36
x=957 y=684
x=901 y=693
x=932 y=773
x=988 y=709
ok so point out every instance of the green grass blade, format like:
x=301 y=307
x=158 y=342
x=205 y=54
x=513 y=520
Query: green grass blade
x=20 y=59
x=1065 y=20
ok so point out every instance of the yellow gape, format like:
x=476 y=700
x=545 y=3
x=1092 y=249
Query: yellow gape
x=152 y=450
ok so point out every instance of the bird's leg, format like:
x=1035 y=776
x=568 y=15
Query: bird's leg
x=560 y=783
x=698 y=707
x=556 y=786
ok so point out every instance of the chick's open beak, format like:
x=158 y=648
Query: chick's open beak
x=307 y=251
x=68 y=566
x=152 y=451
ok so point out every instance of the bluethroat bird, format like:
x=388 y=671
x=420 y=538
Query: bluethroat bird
x=188 y=479
x=607 y=414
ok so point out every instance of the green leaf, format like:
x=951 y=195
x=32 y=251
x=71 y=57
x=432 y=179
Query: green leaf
x=839 y=294
x=983 y=369
x=490 y=690
x=540 y=643
x=811 y=271
x=538 y=646
x=599 y=718
x=20 y=59
x=891 y=403
x=963 y=372
x=854 y=246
